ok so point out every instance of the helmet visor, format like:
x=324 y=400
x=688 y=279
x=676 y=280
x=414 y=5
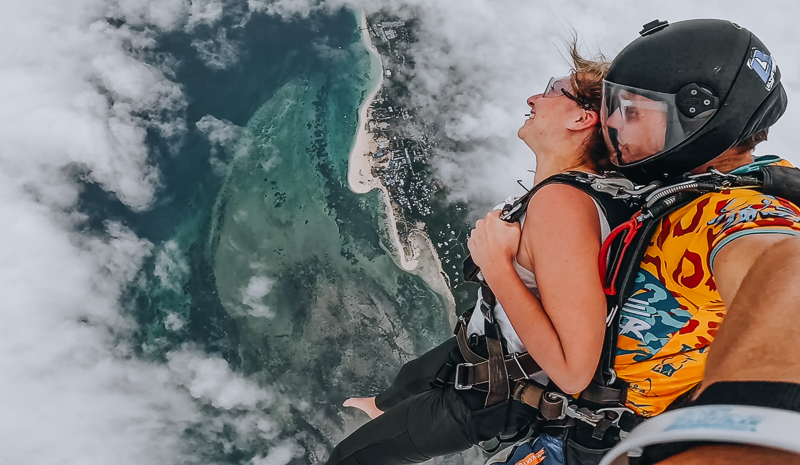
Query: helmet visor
x=640 y=124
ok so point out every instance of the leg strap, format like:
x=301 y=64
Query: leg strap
x=499 y=389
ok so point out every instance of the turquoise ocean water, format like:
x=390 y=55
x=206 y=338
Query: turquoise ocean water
x=273 y=263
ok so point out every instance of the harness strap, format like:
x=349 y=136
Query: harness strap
x=630 y=254
x=475 y=372
x=599 y=394
x=500 y=373
x=499 y=389
x=553 y=406
x=532 y=394
x=463 y=346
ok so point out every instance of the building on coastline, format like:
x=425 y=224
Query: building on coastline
x=402 y=149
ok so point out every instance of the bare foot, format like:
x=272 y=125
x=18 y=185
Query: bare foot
x=365 y=404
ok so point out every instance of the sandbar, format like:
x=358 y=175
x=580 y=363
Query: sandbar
x=423 y=260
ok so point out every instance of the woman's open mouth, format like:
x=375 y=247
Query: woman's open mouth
x=531 y=114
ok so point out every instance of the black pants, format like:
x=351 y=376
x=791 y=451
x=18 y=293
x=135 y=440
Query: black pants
x=420 y=422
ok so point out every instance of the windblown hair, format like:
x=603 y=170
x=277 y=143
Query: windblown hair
x=586 y=81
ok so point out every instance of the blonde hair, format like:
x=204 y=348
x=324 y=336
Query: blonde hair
x=588 y=74
x=586 y=81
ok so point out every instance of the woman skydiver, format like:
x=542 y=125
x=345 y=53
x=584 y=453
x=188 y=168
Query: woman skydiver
x=550 y=302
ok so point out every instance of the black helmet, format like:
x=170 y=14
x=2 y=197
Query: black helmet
x=682 y=94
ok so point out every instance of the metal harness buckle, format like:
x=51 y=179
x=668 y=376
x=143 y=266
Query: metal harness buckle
x=556 y=396
x=584 y=414
x=617 y=186
x=457 y=382
x=614 y=414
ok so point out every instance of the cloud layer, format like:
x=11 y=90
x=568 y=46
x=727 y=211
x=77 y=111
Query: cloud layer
x=477 y=62
x=81 y=87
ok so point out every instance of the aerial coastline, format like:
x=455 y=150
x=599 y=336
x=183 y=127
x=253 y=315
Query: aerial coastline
x=412 y=248
x=359 y=174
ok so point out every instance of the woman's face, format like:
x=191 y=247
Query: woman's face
x=551 y=113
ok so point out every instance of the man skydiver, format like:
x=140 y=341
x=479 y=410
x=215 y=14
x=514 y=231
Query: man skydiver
x=683 y=100
x=683 y=107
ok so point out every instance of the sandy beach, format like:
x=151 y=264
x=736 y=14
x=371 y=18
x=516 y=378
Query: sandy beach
x=423 y=260
x=359 y=174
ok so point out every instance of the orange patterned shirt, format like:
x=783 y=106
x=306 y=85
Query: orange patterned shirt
x=673 y=313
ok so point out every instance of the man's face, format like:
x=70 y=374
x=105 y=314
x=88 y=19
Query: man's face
x=641 y=125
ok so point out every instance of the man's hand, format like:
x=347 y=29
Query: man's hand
x=493 y=241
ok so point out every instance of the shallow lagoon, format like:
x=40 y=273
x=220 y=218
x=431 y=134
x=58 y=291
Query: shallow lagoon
x=263 y=254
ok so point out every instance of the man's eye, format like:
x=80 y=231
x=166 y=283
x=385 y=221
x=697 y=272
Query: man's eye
x=631 y=113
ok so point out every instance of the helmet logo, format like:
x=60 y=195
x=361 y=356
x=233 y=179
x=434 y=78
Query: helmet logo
x=764 y=66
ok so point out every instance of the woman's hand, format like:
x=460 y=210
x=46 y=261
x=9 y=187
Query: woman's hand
x=493 y=243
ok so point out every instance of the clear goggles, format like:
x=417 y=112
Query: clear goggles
x=640 y=124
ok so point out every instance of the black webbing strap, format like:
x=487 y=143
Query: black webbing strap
x=781 y=181
x=513 y=213
x=463 y=347
x=631 y=261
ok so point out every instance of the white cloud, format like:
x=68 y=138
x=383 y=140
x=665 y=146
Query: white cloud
x=164 y=15
x=280 y=455
x=73 y=97
x=78 y=99
x=284 y=8
x=171 y=267
x=205 y=12
x=218 y=132
x=211 y=380
x=217 y=53
x=227 y=141
x=68 y=381
x=174 y=322
x=252 y=296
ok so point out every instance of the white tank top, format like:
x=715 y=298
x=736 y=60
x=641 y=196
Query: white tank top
x=513 y=342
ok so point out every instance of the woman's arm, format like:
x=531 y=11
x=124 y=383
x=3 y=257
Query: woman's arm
x=564 y=331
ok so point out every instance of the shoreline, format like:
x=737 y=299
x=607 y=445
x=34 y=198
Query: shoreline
x=359 y=172
x=424 y=262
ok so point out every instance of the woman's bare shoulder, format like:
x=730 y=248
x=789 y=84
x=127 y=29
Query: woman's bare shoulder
x=559 y=219
x=561 y=202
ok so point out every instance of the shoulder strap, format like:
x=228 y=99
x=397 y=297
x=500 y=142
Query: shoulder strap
x=781 y=181
x=615 y=210
x=628 y=254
